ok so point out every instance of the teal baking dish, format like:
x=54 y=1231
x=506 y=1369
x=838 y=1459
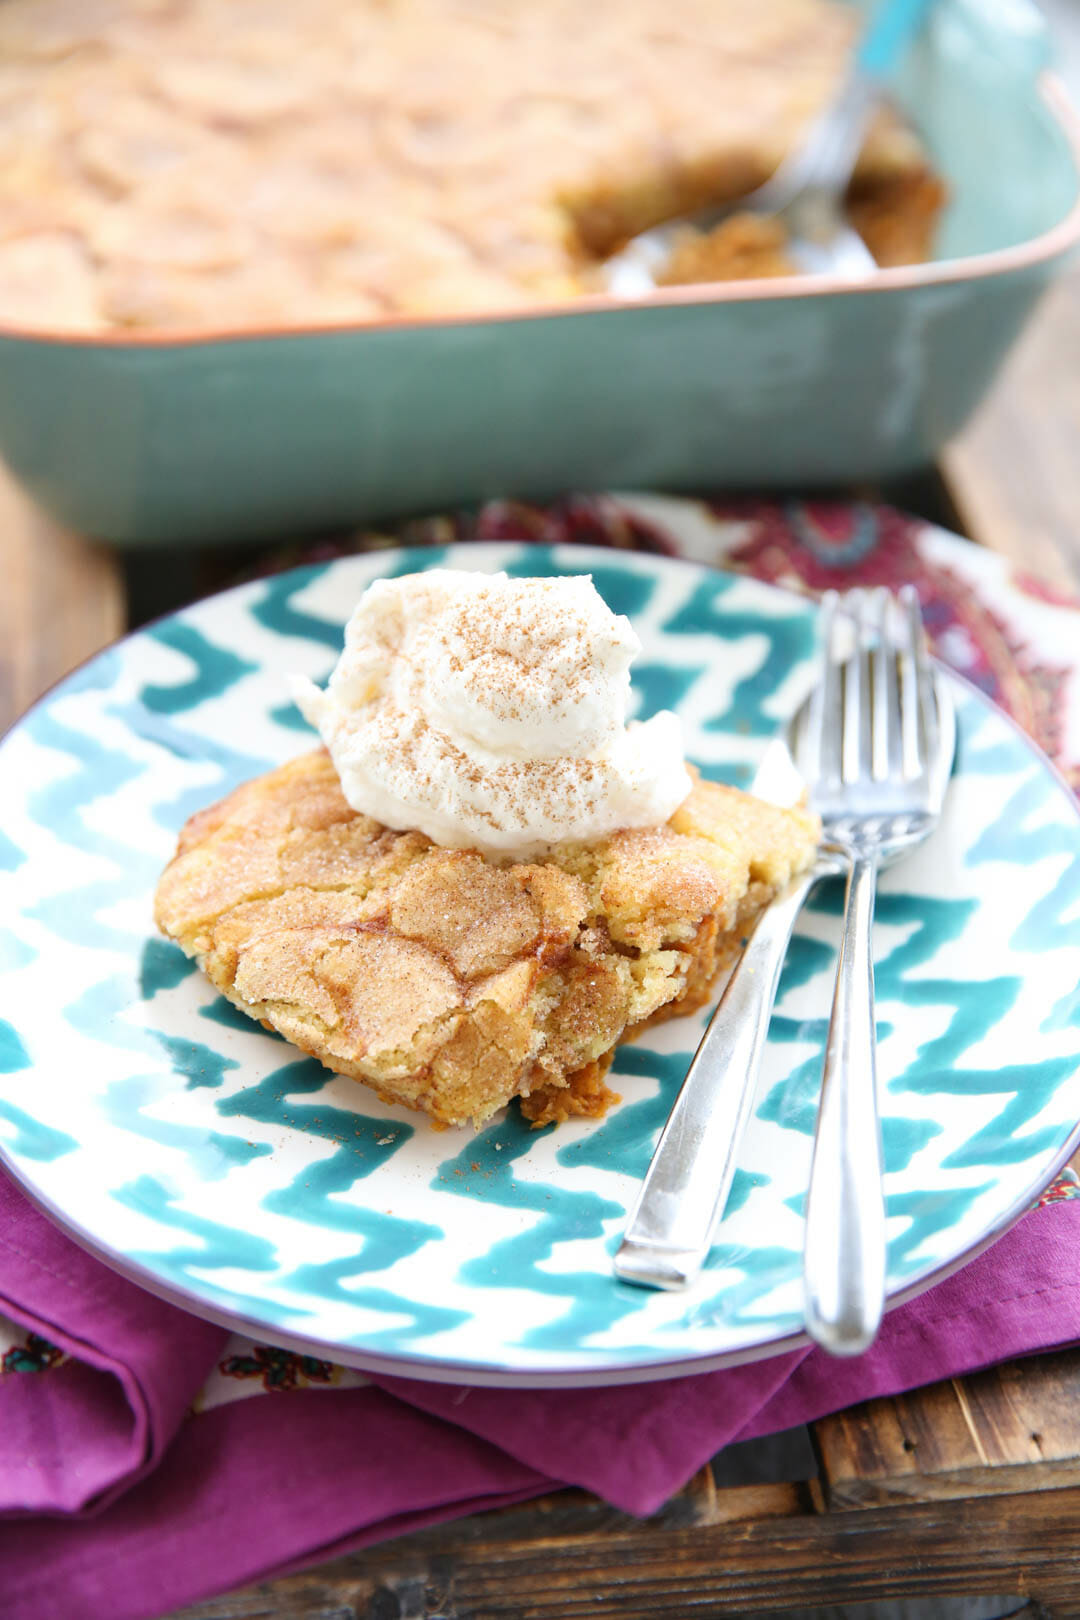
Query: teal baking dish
x=197 y=437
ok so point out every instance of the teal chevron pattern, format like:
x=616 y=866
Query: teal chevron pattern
x=209 y=1159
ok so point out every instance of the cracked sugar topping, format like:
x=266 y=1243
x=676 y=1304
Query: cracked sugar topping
x=490 y=713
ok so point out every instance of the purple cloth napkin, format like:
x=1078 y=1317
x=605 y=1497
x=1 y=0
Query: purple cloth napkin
x=120 y=1503
x=72 y=1440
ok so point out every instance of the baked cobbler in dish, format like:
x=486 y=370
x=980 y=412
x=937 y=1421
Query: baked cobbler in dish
x=232 y=164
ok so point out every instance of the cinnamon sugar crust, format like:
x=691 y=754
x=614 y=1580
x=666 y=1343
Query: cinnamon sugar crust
x=208 y=164
x=450 y=983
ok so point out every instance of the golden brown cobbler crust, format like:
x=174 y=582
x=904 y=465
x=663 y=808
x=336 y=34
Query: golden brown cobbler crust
x=209 y=164
x=447 y=982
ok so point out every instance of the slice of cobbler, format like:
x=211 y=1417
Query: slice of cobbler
x=452 y=983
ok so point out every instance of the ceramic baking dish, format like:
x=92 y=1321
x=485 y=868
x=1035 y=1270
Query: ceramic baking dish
x=147 y=438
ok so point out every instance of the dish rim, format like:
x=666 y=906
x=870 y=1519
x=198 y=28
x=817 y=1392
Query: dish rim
x=445 y=1371
x=1038 y=249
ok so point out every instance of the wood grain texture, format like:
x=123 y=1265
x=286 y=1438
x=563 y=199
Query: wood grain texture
x=1023 y=1544
x=1011 y=1428
x=62 y=600
x=1014 y=473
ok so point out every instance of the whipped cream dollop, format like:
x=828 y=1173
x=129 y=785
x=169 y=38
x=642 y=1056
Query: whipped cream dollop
x=490 y=714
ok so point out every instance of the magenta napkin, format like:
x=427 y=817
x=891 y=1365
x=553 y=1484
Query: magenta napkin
x=72 y=1440
x=120 y=1503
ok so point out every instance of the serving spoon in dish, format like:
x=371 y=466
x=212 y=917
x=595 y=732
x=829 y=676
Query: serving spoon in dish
x=806 y=193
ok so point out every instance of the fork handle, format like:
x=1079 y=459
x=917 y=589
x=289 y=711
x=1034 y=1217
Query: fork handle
x=844 y=1254
x=686 y=1186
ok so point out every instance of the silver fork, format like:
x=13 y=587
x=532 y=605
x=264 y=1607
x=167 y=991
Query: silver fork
x=877 y=779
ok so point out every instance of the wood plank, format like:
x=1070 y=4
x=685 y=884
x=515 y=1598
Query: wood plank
x=63 y=599
x=1013 y=475
x=1010 y=1428
x=1028 y=1545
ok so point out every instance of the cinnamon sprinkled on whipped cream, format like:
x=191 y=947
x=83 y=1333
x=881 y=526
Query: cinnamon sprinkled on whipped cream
x=490 y=714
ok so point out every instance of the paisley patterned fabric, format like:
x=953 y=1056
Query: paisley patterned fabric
x=201 y=1155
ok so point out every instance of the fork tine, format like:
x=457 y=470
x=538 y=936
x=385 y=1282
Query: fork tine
x=917 y=694
x=822 y=727
x=886 y=726
x=928 y=705
x=857 y=729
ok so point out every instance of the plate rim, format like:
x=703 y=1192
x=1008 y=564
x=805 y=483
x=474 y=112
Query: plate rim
x=439 y=1369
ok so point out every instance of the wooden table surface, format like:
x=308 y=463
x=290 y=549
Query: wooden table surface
x=970 y=1486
